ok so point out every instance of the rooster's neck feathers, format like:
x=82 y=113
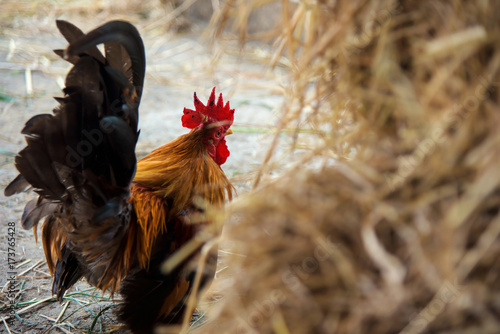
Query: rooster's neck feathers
x=175 y=173
x=182 y=169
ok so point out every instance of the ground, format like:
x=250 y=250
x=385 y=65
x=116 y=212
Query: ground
x=178 y=65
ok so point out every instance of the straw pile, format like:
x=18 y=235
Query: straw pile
x=397 y=229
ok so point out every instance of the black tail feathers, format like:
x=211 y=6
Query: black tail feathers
x=88 y=144
x=81 y=159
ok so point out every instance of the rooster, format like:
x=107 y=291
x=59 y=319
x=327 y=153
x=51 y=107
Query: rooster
x=105 y=216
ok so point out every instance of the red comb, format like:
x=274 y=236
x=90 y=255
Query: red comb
x=211 y=113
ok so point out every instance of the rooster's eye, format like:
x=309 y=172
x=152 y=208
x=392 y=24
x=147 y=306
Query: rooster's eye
x=218 y=134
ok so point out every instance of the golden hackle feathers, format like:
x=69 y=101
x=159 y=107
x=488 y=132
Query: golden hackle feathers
x=166 y=181
x=151 y=219
x=181 y=169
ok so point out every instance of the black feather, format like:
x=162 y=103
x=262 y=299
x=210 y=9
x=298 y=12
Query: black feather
x=34 y=163
x=30 y=126
x=16 y=186
x=118 y=58
x=122 y=156
x=112 y=208
x=72 y=33
x=68 y=271
x=70 y=59
x=37 y=209
x=118 y=32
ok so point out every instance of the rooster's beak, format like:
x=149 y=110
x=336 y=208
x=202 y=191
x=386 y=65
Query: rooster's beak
x=229 y=132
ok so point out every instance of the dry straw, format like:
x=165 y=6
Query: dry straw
x=397 y=229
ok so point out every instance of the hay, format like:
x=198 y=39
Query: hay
x=397 y=230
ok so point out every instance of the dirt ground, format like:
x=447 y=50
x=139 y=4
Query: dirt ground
x=179 y=63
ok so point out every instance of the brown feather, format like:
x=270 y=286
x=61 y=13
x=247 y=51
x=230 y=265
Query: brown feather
x=53 y=238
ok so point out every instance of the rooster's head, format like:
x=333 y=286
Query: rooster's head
x=215 y=120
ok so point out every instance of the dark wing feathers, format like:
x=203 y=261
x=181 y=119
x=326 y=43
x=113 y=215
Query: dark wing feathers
x=81 y=159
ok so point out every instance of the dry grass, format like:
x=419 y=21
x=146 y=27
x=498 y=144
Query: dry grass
x=396 y=228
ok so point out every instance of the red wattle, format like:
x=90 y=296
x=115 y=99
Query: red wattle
x=222 y=152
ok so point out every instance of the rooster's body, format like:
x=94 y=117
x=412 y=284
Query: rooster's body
x=105 y=216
